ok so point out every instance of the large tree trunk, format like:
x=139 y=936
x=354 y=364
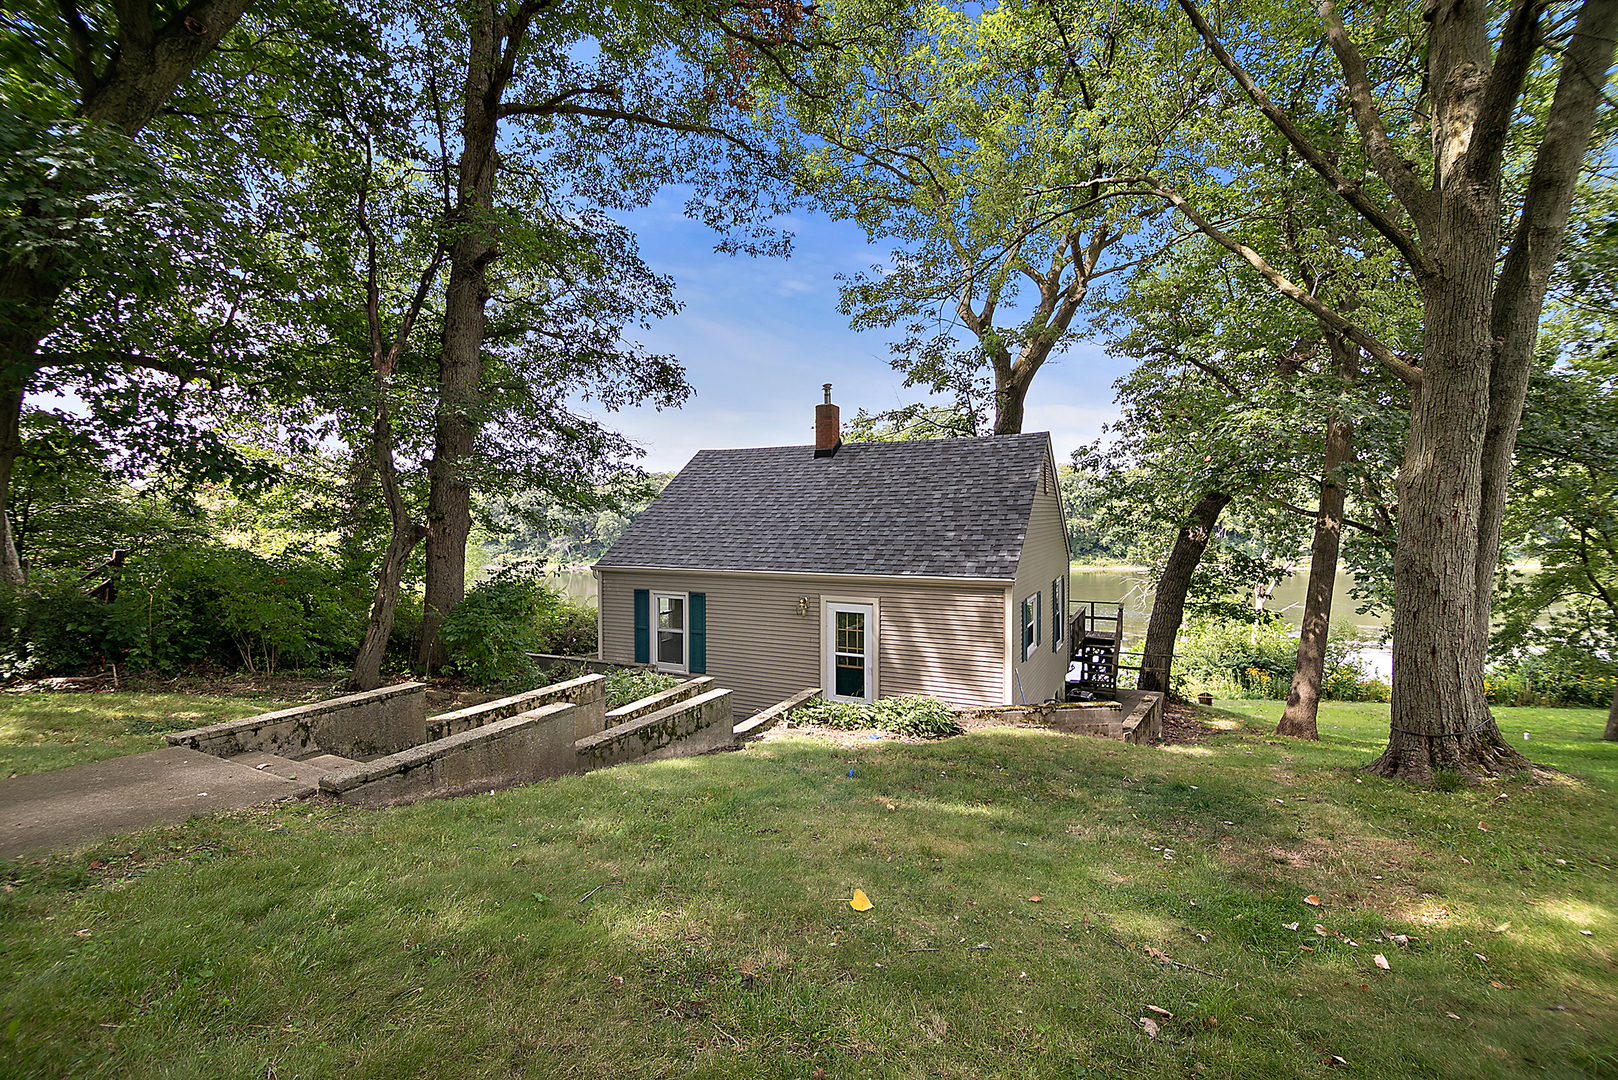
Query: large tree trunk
x=1440 y=719
x=1168 y=606
x=460 y=367
x=1611 y=734
x=1298 y=719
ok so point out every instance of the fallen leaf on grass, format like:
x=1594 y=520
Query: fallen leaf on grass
x=1305 y=948
x=1312 y=900
x=1161 y=1012
x=1150 y=1026
x=1335 y=1062
x=1033 y=899
x=1480 y=956
x=1320 y=931
x=1289 y=926
x=1452 y=1016
x=1397 y=939
x=616 y=980
x=860 y=902
x=1466 y=860
x=1502 y=928
x=1483 y=827
x=1498 y=985
x=1381 y=961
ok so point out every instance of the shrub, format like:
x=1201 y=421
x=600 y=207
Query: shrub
x=564 y=626
x=489 y=634
x=1559 y=675
x=196 y=603
x=923 y=717
x=625 y=686
x=1231 y=659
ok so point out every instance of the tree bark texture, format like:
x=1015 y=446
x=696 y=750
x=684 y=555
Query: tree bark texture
x=1479 y=336
x=1168 y=606
x=460 y=366
x=1611 y=734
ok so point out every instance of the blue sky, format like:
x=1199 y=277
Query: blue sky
x=758 y=337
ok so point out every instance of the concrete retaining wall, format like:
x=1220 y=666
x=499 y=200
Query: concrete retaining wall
x=691 y=727
x=646 y=706
x=763 y=721
x=1136 y=717
x=588 y=693
x=534 y=745
x=380 y=721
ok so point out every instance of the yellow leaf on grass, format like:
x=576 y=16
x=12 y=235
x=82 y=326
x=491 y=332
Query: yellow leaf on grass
x=861 y=902
x=1312 y=900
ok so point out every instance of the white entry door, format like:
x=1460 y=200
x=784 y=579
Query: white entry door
x=850 y=651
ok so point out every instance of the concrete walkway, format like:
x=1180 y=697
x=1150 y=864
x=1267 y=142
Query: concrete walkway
x=67 y=807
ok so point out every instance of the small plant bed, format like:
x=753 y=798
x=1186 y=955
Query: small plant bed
x=625 y=687
x=913 y=717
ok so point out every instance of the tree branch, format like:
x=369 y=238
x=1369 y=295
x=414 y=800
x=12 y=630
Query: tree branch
x=1379 y=349
x=1347 y=190
x=1407 y=186
x=78 y=36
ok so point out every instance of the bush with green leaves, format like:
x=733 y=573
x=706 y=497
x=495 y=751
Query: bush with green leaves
x=189 y=604
x=1560 y=674
x=564 y=626
x=625 y=685
x=922 y=717
x=1254 y=658
x=490 y=633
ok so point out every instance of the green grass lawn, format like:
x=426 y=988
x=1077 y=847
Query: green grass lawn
x=43 y=731
x=469 y=938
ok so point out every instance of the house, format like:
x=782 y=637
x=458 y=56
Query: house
x=868 y=569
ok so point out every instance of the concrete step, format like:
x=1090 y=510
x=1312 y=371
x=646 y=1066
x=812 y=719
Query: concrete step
x=327 y=763
x=307 y=773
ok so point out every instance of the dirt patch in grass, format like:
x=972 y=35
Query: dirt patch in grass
x=1184 y=724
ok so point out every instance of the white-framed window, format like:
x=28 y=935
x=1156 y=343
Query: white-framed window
x=669 y=631
x=1030 y=625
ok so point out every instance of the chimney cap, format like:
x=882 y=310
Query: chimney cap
x=827 y=387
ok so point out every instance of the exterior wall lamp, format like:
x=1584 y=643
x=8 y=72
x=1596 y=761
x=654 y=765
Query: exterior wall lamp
x=803 y=605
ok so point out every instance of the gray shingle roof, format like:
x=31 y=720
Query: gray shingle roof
x=943 y=508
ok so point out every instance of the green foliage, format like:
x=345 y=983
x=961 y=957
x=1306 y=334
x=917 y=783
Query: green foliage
x=625 y=685
x=564 y=626
x=922 y=717
x=1254 y=658
x=194 y=603
x=490 y=633
x=1563 y=674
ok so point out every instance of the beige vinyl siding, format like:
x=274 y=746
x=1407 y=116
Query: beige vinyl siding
x=944 y=640
x=1044 y=559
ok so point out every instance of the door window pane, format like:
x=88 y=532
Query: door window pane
x=849 y=646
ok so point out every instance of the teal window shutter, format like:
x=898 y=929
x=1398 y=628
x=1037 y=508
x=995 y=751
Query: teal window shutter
x=697 y=645
x=643 y=626
x=1056 y=616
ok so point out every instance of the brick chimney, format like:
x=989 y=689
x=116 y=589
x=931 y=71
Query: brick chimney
x=828 y=426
